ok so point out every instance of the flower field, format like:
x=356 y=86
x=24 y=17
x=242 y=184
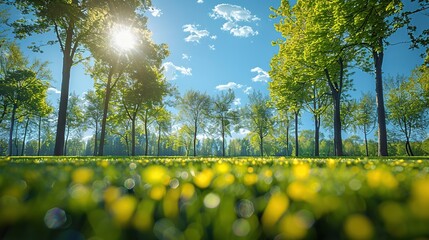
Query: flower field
x=213 y=198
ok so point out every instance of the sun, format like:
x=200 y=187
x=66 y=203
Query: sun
x=122 y=38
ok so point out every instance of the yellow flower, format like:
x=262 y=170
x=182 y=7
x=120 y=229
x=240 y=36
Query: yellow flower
x=276 y=206
x=82 y=175
x=358 y=226
x=301 y=171
x=204 y=178
x=123 y=209
x=155 y=175
x=293 y=227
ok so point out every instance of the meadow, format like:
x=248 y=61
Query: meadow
x=213 y=198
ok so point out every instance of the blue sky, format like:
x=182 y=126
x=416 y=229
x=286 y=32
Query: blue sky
x=215 y=45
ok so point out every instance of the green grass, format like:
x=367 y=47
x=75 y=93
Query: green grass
x=213 y=198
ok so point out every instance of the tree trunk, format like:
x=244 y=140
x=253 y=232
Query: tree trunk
x=287 y=138
x=159 y=140
x=381 y=113
x=223 y=137
x=316 y=135
x=296 y=134
x=133 y=137
x=195 y=138
x=66 y=141
x=336 y=97
x=105 y=110
x=39 y=136
x=65 y=85
x=12 y=125
x=25 y=136
x=95 y=138
x=261 y=144
x=146 y=133
x=366 y=140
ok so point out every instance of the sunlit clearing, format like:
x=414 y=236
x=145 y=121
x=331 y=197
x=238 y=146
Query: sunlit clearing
x=122 y=38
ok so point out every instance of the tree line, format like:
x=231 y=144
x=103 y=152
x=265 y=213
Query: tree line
x=133 y=110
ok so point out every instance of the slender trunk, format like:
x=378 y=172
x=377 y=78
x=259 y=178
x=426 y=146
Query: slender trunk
x=95 y=138
x=12 y=125
x=146 y=133
x=195 y=138
x=223 y=137
x=316 y=135
x=159 y=140
x=66 y=141
x=261 y=145
x=16 y=141
x=381 y=113
x=296 y=134
x=65 y=85
x=133 y=137
x=39 y=136
x=105 y=110
x=25 y=136
x=128 y=144
x=287 y=139
x=366 y=140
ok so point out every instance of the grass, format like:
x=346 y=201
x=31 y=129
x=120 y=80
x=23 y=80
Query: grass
x=213 y=198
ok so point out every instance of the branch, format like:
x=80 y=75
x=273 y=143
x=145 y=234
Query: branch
x=58 y=36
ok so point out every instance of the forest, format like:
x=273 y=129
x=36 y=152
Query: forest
x=133 y=110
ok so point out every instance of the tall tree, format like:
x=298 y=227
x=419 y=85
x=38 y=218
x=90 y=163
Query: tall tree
x=258 y=117
x=163 y=121
x=73 y=23
x=369 y=24
x=21 y=88
x=75 y=119
x=93 y=114
x=408 y=108
x=194 y=108
x=224 y=114
x=365 y=117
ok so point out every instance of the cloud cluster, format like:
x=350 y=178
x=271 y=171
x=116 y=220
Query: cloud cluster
x=54 y=90
x=200 y=1
x=234 y=16
x=194 y=33
x=156 y=12
x=262 y=76
x=172 y=71
x=230 y=85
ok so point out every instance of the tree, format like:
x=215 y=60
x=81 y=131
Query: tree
x=163 y=121
x=407 y=108
x=365 y=117
x=74 y=23
x=369 y=24
x=75 y=119
x=257 y=117
x=194 y=108
x=93 y=114
x=224 y=114
x=21 y=88
x=312 y=49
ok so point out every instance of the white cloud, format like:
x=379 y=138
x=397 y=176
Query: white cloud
x=247 y=90
x=230 y=85
x=243 y=131
x=156 y=12
x=194 y=33
x=54 y=90
x=171 y=71
x=200 y=1
x=237 y=101
x=212 y=47
x=262 y=75
x=234 y=15
x=186 y=57
x=213 y=37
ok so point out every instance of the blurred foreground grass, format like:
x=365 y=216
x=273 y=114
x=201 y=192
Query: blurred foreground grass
x=213 y=198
